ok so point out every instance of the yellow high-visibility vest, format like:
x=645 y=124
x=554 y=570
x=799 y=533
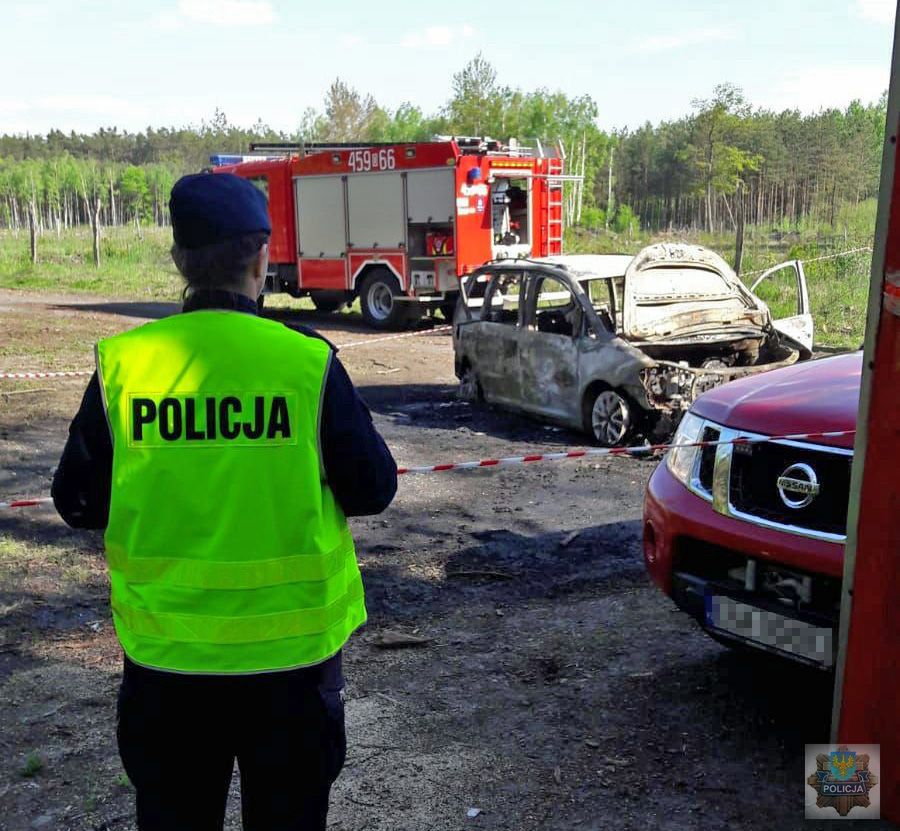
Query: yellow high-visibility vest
x=227 y=550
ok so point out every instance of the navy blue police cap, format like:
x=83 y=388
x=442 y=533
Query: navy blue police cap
x=213 y=207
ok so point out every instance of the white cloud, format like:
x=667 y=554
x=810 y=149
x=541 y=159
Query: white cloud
x=818 y=87
x=12 y=105
x=678 y=40
x=436 y=36
x=31 y=13
x=78 y=111
x=86 y=102
x=216 y=13
x=876 y=11
x=168 y=21
x=350 y=40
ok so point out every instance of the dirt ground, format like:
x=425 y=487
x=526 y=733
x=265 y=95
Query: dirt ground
x=556 y=688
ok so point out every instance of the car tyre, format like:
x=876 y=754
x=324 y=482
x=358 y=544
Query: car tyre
x=608 y=418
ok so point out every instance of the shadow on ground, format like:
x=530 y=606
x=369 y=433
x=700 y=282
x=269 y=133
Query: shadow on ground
x=438 y=407
x=140 y=309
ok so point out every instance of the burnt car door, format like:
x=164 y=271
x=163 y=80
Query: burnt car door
x=553 y=323
x=783 y=289
x=495 y=338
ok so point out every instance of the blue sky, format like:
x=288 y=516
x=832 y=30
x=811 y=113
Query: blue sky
x=82 y=64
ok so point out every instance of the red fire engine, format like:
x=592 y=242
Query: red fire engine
x=397 y=225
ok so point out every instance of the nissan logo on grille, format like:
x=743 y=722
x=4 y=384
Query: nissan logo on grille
x=798 y=485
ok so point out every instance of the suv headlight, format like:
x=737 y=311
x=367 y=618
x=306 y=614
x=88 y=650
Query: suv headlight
x=680 y=460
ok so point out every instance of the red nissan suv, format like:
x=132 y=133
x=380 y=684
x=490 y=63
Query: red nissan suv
x=749 y=538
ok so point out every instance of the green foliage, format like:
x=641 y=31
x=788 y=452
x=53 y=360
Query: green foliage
x=593 y=218
x=32 y=766
x=135 y=192
x=624 y=220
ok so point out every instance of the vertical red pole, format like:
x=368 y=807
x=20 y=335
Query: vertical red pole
x=867 y=692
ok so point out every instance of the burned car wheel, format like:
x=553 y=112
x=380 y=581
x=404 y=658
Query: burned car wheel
x=609 y=419
x=470 y=386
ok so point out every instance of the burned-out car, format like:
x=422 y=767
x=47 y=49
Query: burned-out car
x=617 y=345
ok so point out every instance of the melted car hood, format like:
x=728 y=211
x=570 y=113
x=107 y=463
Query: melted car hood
x=815 y=396
x=671 y=301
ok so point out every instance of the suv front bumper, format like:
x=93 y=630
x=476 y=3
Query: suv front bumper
x=682 y=529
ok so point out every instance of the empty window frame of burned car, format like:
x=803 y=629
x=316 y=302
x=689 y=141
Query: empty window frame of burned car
x=486 y=336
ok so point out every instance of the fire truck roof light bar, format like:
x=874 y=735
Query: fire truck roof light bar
x=468 y=145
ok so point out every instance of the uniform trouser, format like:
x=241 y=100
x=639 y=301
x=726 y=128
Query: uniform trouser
x=179 y=736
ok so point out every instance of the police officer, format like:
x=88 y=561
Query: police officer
x=222 y=452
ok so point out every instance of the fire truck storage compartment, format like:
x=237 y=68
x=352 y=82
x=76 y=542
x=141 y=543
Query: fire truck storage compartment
x=319 y=202
x=430 y=196
x=376 y=211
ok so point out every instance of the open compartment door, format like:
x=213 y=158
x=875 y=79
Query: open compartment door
x=783 y=289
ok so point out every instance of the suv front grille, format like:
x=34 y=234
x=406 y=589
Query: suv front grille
x=706 y=465
x=753 y=487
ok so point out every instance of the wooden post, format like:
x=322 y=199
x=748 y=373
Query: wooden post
x=95 y=228
x=32 y=227
x=739 y=236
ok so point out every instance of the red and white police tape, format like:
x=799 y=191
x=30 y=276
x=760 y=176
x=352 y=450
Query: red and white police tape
x=509 y=461
x=80 y=373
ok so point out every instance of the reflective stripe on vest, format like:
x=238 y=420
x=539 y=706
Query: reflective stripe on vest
x=227 y=551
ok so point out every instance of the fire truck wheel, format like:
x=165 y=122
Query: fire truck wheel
x=378 y=301
x=448 y=310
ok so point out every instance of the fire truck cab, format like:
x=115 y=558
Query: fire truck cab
x=398 y=225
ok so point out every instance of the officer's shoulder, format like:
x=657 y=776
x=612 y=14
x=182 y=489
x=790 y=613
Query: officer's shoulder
x=137 y=331
x=306 y=331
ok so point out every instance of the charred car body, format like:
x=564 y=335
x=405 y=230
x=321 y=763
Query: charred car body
x=615 y=345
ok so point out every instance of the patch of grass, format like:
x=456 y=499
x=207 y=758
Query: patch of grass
x=129 y=266
x=12 y=551
x=123 y=781
x=32 y=766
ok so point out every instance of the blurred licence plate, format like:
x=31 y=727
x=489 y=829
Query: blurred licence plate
x=786 y=634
